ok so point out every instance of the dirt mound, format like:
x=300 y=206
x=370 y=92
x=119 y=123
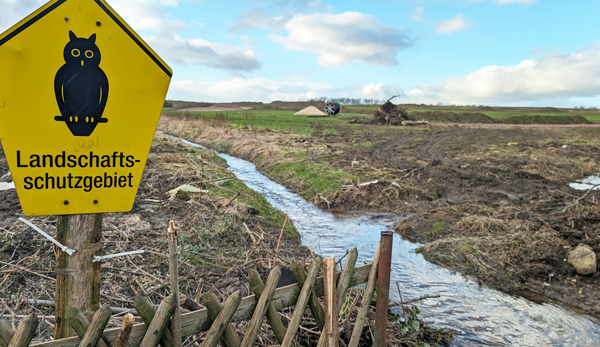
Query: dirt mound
x=390 y=114
x=547 y=110
x=452 y=117
x=480 y=118
x=310 y=111
x=576 y=119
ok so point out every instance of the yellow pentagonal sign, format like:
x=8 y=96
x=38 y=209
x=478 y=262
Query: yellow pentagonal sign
x=80 y=97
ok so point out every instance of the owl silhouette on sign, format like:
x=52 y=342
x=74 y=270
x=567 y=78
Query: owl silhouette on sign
x=81 y=87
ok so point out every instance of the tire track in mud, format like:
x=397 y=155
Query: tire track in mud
x=422 y=146
x=432 y=149
x=530 y=126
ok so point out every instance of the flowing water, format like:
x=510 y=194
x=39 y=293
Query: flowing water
x=482 y=316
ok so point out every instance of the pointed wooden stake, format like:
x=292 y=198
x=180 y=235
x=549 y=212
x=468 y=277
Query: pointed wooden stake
x=331 y=313
x=366 y=302
x=174 y=277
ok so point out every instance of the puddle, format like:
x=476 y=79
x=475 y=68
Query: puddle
x=587 y=183
x=7 y=185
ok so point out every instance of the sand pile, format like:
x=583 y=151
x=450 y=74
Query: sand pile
x=310 y=111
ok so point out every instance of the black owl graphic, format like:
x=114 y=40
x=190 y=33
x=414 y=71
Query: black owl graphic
x=81 y=87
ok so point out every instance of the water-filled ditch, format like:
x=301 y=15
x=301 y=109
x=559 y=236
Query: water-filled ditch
x=480 y=315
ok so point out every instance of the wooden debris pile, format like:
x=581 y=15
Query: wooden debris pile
x=390 y=114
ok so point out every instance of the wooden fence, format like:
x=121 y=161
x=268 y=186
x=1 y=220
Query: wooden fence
x=216 y=318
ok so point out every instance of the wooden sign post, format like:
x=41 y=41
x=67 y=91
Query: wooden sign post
x=77 y=277
x=80 y=99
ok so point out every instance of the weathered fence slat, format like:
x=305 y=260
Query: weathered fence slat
x=273 y=317
x=198 y=321
x=123 y=337
x=366 y=301
x=261 y=307
x=343 y=284
x=174 y=279
x=222 y=320
x=24 y=332
x=79 y=323
x=230 y=337
x=159 y=322
x=330 y=298
x=384 y=268
x=96 y=327
x=313 y=300
x=6 y=333
x=346 y=276
x=146 y=311
x=302 y=301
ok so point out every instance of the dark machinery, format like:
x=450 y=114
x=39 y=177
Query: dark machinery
x=332 y=108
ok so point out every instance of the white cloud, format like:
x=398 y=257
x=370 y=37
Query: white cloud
x=272 y=16
x=344 y=38
x=140 y=14
x=418 y=15
x=459 y=22
x=552 y=77
x=12 y=11
x=174 y=49
x=380 y=91
x=258 y=19
x=150 y=16
x=253 y=89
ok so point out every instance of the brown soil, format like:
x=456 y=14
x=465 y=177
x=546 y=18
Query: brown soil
x=488 y=202
x=512 y=126
x=476 y=117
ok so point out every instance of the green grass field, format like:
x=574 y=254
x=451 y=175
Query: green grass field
x=278 y=120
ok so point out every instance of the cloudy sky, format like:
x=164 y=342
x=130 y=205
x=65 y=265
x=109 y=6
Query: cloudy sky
x=483 y=52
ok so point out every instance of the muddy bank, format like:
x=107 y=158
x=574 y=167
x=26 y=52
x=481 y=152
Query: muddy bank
x=486 y=202
x=489 y=203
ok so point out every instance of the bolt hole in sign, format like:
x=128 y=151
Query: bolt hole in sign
x=80 y=98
